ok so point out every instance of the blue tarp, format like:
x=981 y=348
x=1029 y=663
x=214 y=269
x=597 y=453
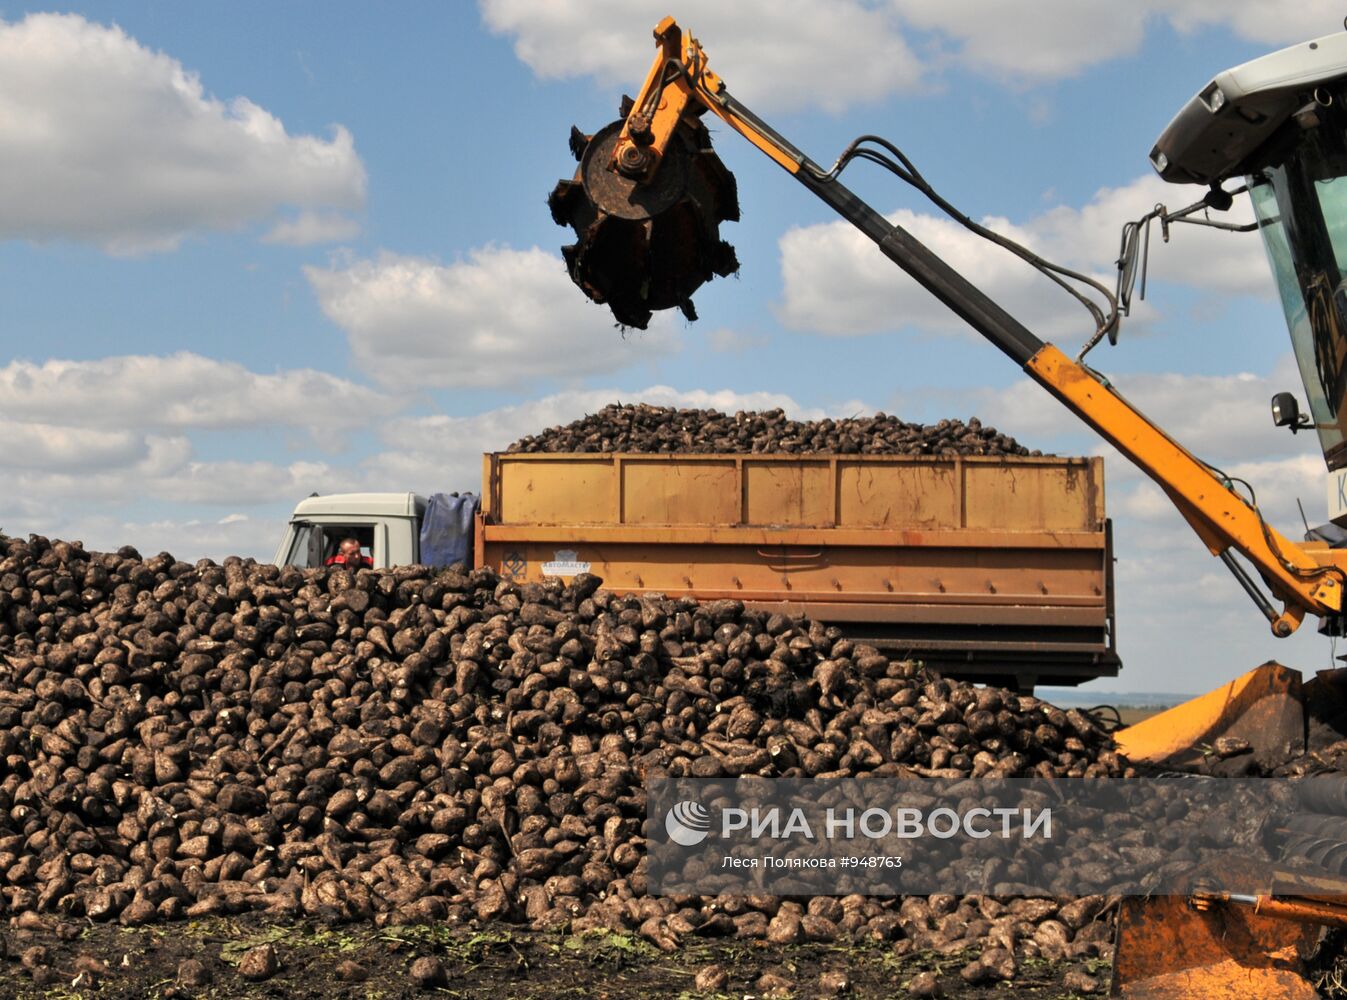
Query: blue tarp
x=446 y=529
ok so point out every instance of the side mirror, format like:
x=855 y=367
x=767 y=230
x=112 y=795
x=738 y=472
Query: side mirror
x=1286 y=412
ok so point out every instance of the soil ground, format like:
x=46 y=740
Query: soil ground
x=496 y=962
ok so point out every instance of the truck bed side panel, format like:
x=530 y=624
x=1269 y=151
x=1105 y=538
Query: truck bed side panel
x=996 y=566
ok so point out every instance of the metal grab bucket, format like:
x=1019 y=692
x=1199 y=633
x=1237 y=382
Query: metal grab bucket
x=642 y=246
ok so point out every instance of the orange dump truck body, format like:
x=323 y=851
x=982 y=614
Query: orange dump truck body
x=991 y=568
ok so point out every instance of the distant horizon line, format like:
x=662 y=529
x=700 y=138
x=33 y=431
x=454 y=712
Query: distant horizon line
x=1121 y=699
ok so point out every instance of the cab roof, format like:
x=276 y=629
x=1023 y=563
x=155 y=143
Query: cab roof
x=361 y=505
x=1219 y=129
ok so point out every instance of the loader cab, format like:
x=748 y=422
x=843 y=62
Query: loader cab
x=1280 y=123
x=1299 y=189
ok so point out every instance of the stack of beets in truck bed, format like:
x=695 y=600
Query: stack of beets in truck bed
x=641 y=428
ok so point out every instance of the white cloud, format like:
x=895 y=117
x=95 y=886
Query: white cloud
x=64 y=460
x=1196 y=256
x=191 y=539
x=1257 y=20
x=1052 y=39
x=445 y=453
x=774 y=54
x=88 y=434
x=184 y=391
x=242 y=483
x=309 y=228
x=126 y=150
x=1221 y=418
x=786 y=55
x=1058 y=39
x=168 y=474
x=497 y=318
x=836 y=281
x=51 y=447
x=75 y=494
x=103 y=469
x=1278 y=482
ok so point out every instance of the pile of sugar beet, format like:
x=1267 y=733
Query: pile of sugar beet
x=413 y=745
x=643 y=428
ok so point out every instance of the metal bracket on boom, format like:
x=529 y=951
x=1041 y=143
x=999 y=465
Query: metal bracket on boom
x=659 y=107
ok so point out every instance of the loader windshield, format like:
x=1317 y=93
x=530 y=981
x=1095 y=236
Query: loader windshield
x=1300 y=198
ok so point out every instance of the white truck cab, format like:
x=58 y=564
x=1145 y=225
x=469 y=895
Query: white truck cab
x=387 y=525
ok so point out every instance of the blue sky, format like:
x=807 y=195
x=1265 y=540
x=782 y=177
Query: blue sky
x=249 y=251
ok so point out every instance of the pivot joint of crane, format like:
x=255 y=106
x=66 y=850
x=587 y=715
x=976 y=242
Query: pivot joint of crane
x=665 y=97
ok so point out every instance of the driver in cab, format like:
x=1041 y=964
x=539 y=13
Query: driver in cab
x=348 y=555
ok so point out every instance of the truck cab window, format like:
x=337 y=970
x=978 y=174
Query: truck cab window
x=315 y=544
x=336 y=537
x=305 y=546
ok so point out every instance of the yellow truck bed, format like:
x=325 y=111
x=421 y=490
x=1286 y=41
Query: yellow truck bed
x=995 y=568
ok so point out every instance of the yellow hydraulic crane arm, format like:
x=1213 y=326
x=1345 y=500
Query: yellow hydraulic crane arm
x=1305 y=578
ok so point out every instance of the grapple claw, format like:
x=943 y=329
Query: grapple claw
x=578 y=143
x=647 y=245
x=562 y=200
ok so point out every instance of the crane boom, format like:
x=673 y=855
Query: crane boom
x=1306 y=578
